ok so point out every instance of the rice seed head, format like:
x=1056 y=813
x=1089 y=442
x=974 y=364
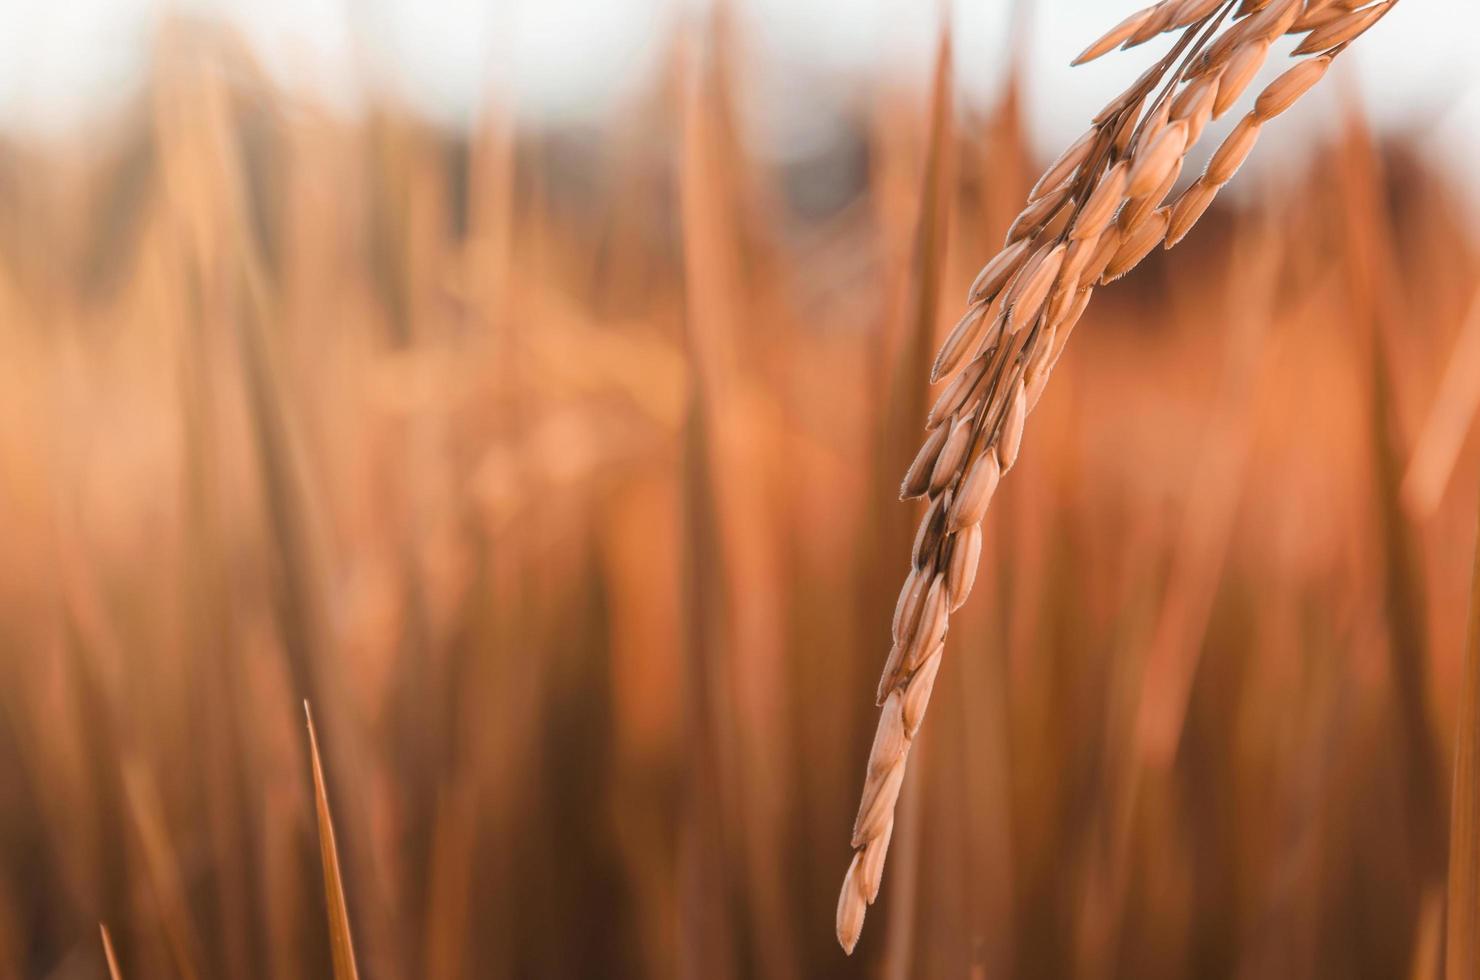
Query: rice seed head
x=1114 y=37
x=1053 y=229
x=1040 y=279
x=917 y=477
x=1271 y=20
x=1234 y=151
x=1066 y=326
x=889 y=677
x=1045 y=345
x=952 y=454
x=1242 y=67
x=1218 y=53
x=1095 y=216
x=890 y=740
x=871 y=864
x=960 y=342
x=997 y=271
x=1150 y=130
x=852 y=906
x=1191 y=11
x=1011 y=439
x=1058 y=304
x=1125 y=132
x=1138 y=243
x=1286 y=90
x=1342 y=30
x=931 y=629
x=1024 y=308
x=1136 y=211
x=962 y=389
x=1151 y=167
x=908 y=604
x=966 y=554
x=1109 y=244
x=976 y=492
x=931 y=530
x=1066 y=165
x=1201 y=114
x=1204 y=87
x=877 y=806
x=1036 y=215
x=1278 y=19
x=917 y=694
x=1158 y=20
x=1076 y=257
x=1189 y=207
x=1317 y=17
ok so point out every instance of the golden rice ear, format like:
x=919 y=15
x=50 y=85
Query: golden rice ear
x=876 y=808
x=1150 y=169
x=1286 y=90
x=948 y=463
x=1190 y=11
x=1028 y=303
x=1115 y=37
x=966 y=553
x=890 y=740
x=852 y=906
x=1189 y=207
x=960 y=343
x=1066 y=165
x=1138 y=243
x=1235 y=149
x=871 y=865
x=1343 y=30
x=998 y=271
x=961 y=394
x=1094 y=214
x=976 y=492
x=1099 y=209
x=917 y=477
x=1094 y=269
x=1241 y=69
x=931 y=628
x=1011 y=439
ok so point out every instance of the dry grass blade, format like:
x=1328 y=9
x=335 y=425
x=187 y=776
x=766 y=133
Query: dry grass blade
x=341 y=945
x=1462 y=942
x=114 y=973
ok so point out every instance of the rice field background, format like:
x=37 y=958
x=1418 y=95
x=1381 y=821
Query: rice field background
x=557 y=470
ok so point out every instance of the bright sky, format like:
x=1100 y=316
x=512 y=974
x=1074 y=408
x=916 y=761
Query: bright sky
x=62 y=61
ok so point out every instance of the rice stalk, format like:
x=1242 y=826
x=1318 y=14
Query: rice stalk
x=1115 y=171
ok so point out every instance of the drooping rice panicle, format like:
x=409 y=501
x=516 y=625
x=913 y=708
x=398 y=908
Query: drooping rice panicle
x=1096 y=213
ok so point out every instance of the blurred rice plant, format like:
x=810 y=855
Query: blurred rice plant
x=556 y=470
